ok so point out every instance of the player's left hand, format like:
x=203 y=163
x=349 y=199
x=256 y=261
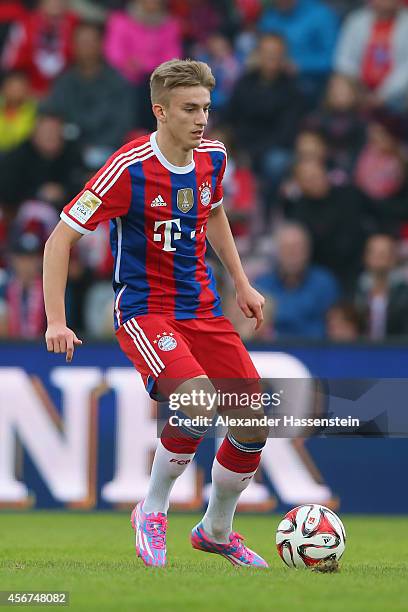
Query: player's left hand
x=251 y=302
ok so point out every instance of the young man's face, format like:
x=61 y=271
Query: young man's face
x=185 y=115
x=380 y=254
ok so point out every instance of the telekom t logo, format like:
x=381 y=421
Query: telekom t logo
x=168 y=226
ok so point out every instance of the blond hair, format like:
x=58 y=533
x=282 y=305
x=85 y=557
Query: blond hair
x=179 y=73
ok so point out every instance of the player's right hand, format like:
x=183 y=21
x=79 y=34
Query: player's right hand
x=61 y=339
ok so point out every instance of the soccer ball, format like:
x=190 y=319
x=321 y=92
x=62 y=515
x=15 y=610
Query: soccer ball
x=310 y=534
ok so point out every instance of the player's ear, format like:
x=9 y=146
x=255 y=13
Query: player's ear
x=159 y=112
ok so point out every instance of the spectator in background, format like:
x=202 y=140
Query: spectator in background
x=310 y=28
x=334 y=216
x=241 y=200
x=340 y=122
x=22 y=312
x=343 y=323
x=96 y=255
x=17 y=111
x=139 y=39
x=248 y=13
x=35 y=217
x=382 y=290
x=301 y=293
x=219 y=55
x=90 y=10
x=3 y=239
x=43 y=159
x=248 y=10
x=41 y=44
x=312 y=145
x=264 y=112
x=373 y=47
x=381 y=173
x=92 y=98
x=380 y=170
x=11 y=12
x=199 y=19
x=240 y=189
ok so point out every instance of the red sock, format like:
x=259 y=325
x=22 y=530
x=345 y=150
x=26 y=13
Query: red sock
x=239 y=456
x=177 y=441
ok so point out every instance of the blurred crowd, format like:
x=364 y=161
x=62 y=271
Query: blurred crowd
x=312 y=103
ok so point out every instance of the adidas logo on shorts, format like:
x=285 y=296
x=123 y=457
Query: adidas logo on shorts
x=158 y=202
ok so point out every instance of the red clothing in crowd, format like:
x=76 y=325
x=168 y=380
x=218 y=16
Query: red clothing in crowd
x=379 y=175
x=11 y=11
x=41 y=46
x=198 y=18
x=377 y=61
x=25 y=309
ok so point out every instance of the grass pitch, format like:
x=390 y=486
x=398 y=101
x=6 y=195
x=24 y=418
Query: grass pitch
x=92 y=557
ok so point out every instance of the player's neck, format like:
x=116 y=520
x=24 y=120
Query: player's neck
x=172 y=151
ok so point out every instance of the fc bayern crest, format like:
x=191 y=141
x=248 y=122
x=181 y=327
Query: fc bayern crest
x=167 y=343
x=205 y=193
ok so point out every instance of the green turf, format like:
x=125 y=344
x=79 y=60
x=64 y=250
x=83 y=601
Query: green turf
x=92 y=556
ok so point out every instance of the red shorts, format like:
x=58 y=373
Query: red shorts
x=164 y=348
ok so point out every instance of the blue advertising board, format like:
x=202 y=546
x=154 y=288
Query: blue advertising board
x=82 y=435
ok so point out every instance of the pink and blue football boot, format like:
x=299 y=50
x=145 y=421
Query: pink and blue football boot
x=150 y=530
x=235 y=551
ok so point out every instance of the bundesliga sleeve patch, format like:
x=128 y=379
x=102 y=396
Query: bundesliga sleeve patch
x=85 y=207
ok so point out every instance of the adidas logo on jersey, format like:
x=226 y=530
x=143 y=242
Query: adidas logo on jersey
x=158 y=202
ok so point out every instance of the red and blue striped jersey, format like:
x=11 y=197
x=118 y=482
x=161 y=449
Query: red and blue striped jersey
x=158 y=215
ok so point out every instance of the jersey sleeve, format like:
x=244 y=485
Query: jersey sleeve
x=218 y=194
x=106 y=196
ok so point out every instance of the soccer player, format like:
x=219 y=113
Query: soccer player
x=163 y=195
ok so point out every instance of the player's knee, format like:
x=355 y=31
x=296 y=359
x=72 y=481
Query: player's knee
x=250 y=434
x=260 y=433
x=196 y=397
